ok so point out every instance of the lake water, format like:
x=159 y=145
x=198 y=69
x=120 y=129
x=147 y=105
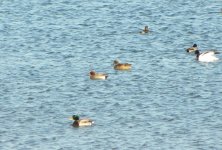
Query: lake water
x=168 y=101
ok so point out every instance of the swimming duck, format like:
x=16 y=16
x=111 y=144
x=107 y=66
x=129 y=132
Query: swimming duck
x=120 y=66
x=145 y=30
x=192 y=49
x=80 y=122
x=208 y=56
x=97 y=76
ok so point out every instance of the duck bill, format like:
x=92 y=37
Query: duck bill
x=70 y=118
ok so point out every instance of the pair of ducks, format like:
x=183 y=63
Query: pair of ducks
x=208 y=56
x=117 y=66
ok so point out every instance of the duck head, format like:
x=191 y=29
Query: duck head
x=197 y=52
x=75 y=117
x=115 y=62
x=195 y=45
x=92 y=73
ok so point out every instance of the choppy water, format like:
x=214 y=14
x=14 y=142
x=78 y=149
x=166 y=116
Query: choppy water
x=168 y=101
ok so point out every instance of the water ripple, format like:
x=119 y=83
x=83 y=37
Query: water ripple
x=167 y=101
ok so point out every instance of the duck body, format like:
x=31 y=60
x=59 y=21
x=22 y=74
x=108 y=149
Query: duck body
x=97 y=76
x=81 y=122
x=192 y=49
x=121 y=66
x=208 y=56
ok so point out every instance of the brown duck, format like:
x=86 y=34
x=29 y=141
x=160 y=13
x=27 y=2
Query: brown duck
x=121 y=66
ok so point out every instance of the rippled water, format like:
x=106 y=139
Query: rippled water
x=167 y=101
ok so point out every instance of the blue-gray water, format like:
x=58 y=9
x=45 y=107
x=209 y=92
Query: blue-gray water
x=168 y=101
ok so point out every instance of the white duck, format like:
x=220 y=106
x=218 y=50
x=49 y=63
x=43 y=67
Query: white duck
x=208 y=56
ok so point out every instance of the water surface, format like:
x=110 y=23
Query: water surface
x=167 y=101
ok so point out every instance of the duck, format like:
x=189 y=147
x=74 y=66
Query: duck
x=192 y=49
x=97 y=76
x=208 y=56
x=121 y=66
x=80 y=122
x=145 y=30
